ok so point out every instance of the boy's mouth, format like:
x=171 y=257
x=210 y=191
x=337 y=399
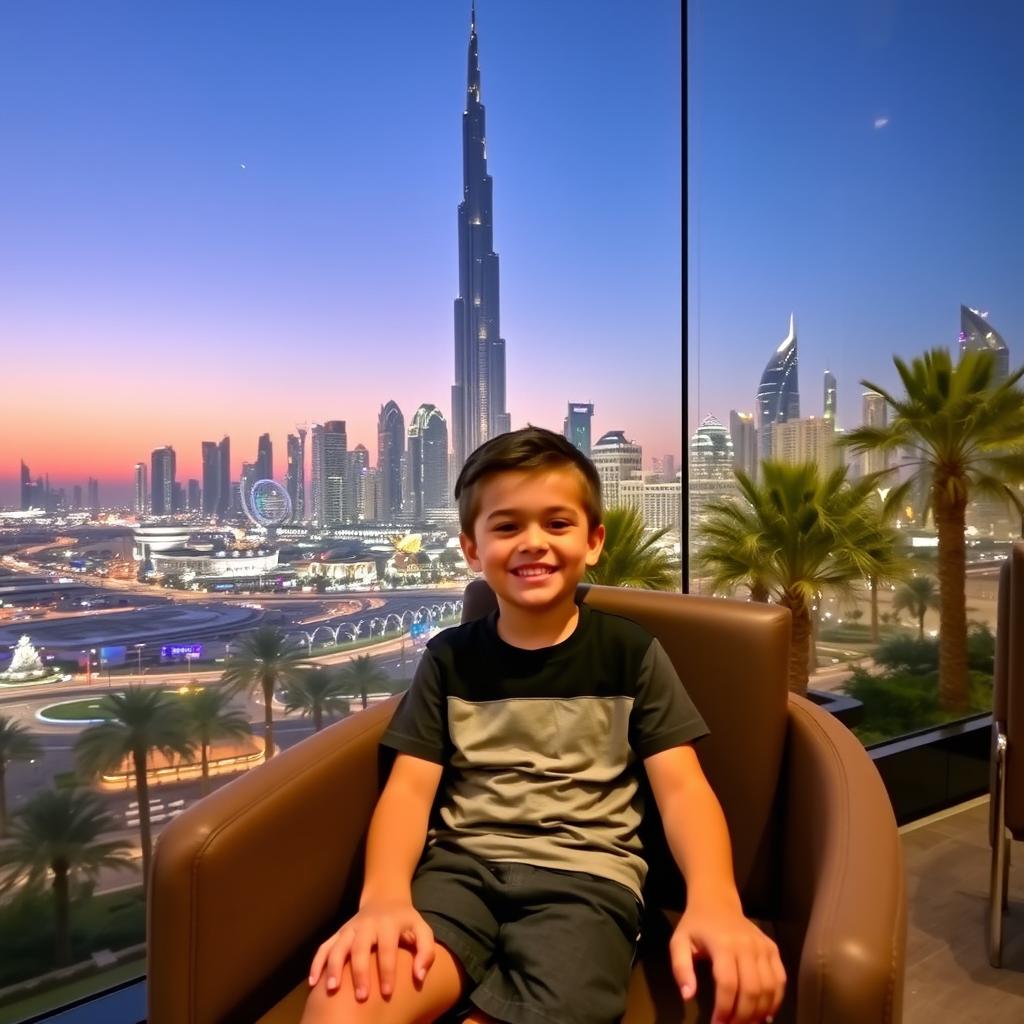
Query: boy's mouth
x=528 y=571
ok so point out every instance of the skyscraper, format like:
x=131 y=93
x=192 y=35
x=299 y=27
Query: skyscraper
x=807 y=440
x=211 y=478
x=874 y=413
x=225 y=493
x=358 y=463
x=76 y=497
x=829 y=407
x=712 y=457
x=141 y=497
x=778 y=396
x=163 y=464
x=577 y=425
x=743 y=434
x=33 y=492
x=92 y=491
x=390 y=450
x=330 y=469
x=246 y=482
x=478 y=394
x=295 y=477
x=194 y=497
x=978 y=335
x=264 y=458
x=428 y=460
x=615 y=459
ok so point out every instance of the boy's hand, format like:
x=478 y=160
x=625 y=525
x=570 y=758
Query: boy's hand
x=749 y=976
x=381 y=926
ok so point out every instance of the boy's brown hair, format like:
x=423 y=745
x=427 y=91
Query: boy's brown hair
x=531 y=448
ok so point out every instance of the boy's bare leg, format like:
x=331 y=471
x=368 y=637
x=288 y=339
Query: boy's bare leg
x=409 y=1003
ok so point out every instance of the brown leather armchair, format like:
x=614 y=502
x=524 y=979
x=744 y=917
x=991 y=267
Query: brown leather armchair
x=1006 y=807
x=246 y=882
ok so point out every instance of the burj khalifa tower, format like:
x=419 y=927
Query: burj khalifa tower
x=478 y=394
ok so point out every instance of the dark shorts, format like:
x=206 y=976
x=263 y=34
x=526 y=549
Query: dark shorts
x=539 y=946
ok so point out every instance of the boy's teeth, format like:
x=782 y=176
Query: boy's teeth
x=532 y=572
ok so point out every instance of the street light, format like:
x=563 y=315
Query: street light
x=138 y=651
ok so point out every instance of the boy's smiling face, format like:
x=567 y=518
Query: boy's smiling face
x=531 y=538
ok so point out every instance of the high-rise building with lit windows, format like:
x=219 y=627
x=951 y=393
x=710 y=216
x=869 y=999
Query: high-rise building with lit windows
x=743 y=435
x=577 y=425
x=390 y=451
x=874 y=413
x=829 y=397
x=478 y=394
x=211 y=478
x=978 y=335
x=616 y=459
x=163 y=464
x=92 y=494
x=778 y=396
x=712 y=457
x=295 y=475
x=807 y=440
x=226 y=490
x=141 y=495
x=428 y=461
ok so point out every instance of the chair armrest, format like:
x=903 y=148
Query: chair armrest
x=843 y=917
x=246 y=879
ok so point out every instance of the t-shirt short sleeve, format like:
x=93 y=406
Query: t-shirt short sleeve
x=663 y=715
x=420 y=725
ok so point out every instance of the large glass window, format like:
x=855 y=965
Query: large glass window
x=853 y=201
x=266 y=278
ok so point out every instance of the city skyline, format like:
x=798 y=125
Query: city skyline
x=242 y=258
x=316 y=283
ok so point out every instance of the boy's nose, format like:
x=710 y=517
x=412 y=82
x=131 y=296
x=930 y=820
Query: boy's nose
x=532 y=538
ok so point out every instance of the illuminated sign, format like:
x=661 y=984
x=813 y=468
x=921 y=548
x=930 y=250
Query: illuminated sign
x=177 y=652
x=110 y=656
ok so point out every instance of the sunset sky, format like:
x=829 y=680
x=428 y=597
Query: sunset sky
x=238 y=218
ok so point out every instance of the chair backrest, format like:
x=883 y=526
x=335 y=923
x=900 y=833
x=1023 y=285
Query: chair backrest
x=1008 y=682
x=733 y=658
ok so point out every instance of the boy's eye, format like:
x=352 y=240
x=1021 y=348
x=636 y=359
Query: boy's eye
x=505 y=528
x=560 y=524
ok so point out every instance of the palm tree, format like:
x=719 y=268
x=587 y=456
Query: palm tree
x=359 y=675
x=917 y=596
x=139 y=720
x=209 y=717
x=16 y=744
x=57 y=832
x=964 y=433
x=314 y=692
x=792 y=535
x=266 y=659
x=631 y=559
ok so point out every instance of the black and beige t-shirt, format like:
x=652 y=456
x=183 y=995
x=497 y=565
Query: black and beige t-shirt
x=542 y=748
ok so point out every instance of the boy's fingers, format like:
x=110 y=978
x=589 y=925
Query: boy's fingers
x=336 y=957
x=319 y=958
x=387 y=949
x=723 y=967
x=766 y=977
x=681 y=952
x=748 y=989
x=360 y=958
x=424 y=957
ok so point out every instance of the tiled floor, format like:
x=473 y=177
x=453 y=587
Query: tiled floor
x=948 y=975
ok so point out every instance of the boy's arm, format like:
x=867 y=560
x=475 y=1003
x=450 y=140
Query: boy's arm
x=398 y=831
x=749 y=976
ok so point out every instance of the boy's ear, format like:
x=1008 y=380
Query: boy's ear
x=469 y=552
x=595 y=544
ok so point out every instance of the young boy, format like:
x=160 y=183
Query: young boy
x=525 y=907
